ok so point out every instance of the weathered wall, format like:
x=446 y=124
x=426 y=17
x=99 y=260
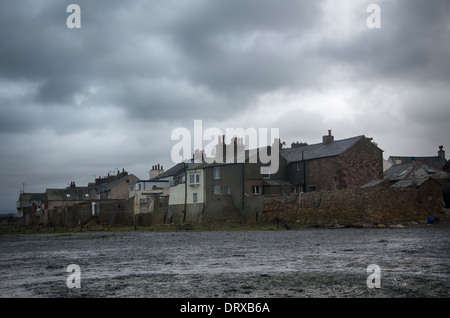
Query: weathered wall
x=252 y=171
x=222 y=209
x=230 y=177
x=77 y=215
x=121 y=190
x=253 y=208
x=176 y=214
x=356 y=166
x=360 y=164
x=358 y=206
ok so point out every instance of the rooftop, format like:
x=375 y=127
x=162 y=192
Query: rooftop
x=320 y=150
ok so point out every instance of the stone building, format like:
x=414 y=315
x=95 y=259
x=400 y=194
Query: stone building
x=149 y=195
x=30 y=204
x=68 y=196
x=333 y=164
x=438 y=161
x=114 y=186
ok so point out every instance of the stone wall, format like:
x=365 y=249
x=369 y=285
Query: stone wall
x=356 y=207
x=79 y=215
x=361 y=163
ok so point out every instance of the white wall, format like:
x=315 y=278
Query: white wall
x=177 y=193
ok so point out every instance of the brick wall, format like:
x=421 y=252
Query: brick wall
x=356 y=207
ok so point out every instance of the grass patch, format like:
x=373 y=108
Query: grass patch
x=14 y=230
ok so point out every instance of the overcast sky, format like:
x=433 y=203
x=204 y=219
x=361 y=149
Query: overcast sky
x=79 y=103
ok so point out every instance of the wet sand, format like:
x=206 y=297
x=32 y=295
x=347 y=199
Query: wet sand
x=319 y=263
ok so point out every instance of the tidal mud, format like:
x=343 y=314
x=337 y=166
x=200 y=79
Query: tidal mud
x=319 y=263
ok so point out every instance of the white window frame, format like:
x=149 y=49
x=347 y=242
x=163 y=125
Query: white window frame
x=217 y=190
x=194 y=178
x=194 y=197
x=256 y=187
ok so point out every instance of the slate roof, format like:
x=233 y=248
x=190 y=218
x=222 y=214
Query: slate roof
x=109 y=185
x=403 y=175
x=175 y=170
x=319 y=150
x=435 y=161
x=446 y=167
x=408 y=183
x=249 y=156
x=71 y=194
x=32 y=197
x=418 y=171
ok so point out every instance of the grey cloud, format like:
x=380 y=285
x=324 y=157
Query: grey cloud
x=412 y=44
x=200 y=34
x=110 y=93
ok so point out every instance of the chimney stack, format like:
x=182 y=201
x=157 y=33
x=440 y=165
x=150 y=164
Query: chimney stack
x=298 y=144
x=156 y=171
x=441 y=152
x=328 y=139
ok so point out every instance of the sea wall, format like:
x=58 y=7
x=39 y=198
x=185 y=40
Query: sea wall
x=356 y=207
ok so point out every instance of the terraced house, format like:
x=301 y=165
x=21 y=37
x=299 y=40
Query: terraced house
x=333 y=164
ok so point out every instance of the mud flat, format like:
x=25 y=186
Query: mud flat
x=320 y=263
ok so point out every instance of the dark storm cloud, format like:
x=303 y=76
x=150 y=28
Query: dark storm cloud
x=213 y=36
x=111 y=92
x=412 y=44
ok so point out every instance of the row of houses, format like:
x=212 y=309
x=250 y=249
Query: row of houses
x=201 y=190
x=110 y=187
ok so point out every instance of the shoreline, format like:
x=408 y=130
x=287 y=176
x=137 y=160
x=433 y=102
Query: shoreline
x=15 y=229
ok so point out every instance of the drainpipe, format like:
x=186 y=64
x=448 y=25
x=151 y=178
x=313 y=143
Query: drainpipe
x=304 y=172
x=243 y=186
x=185 y=191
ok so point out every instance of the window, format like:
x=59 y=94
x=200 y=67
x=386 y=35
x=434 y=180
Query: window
x=194 y=197
x=228 y=190
x=194 y=178
x=256 y=189
x=265 y=171
x=67 y=195
x=216 y=173
x=216 y=190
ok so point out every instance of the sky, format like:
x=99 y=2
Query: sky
x=79 y=103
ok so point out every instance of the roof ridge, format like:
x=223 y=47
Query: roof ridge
x=321 y=143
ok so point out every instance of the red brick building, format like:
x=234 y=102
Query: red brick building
x=333 y=164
